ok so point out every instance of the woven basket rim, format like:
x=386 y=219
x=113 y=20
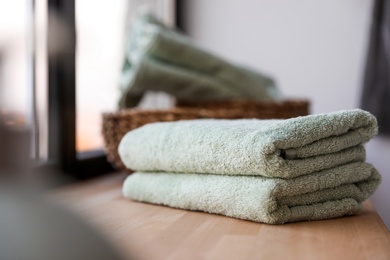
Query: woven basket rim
x=196 y=109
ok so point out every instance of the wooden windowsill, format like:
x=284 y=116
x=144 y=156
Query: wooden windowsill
x=155 y=232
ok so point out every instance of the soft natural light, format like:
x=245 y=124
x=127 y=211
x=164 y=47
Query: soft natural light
x=101 y=36
x=14 y=56
x=100 y=47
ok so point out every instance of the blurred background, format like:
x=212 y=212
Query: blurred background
x=314 y=49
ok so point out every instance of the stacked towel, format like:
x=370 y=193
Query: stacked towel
x=271 y=171
x=162 y=59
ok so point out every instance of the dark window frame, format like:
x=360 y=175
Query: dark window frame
x=62 y=97
x=62 y=100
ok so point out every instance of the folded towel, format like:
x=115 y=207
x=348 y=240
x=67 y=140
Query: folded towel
x=326 y=194
x=152 y=74
x=150 y=39
x=271 y=148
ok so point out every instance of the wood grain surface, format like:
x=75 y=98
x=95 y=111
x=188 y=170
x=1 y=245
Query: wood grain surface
x=145 y=231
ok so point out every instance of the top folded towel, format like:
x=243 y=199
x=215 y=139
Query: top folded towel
x=271 y=148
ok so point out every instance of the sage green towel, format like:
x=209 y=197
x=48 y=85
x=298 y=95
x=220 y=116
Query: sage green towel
x=152 y=74
x=322 y=195
x=190 y=73
x=271 y=148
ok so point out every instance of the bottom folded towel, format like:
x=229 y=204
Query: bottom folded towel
x=322 y=195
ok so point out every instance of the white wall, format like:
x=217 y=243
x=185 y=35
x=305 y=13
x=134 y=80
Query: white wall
x=314 y=49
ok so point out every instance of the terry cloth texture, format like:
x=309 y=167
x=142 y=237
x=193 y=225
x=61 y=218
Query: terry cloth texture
x=271 y=171
x=161 y=59
x=322 y=195
x=271 y=148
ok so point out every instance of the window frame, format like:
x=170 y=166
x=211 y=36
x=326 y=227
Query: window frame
x=62 y=98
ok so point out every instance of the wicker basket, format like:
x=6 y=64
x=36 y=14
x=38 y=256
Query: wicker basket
x=233 y=109
x=116 y=125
